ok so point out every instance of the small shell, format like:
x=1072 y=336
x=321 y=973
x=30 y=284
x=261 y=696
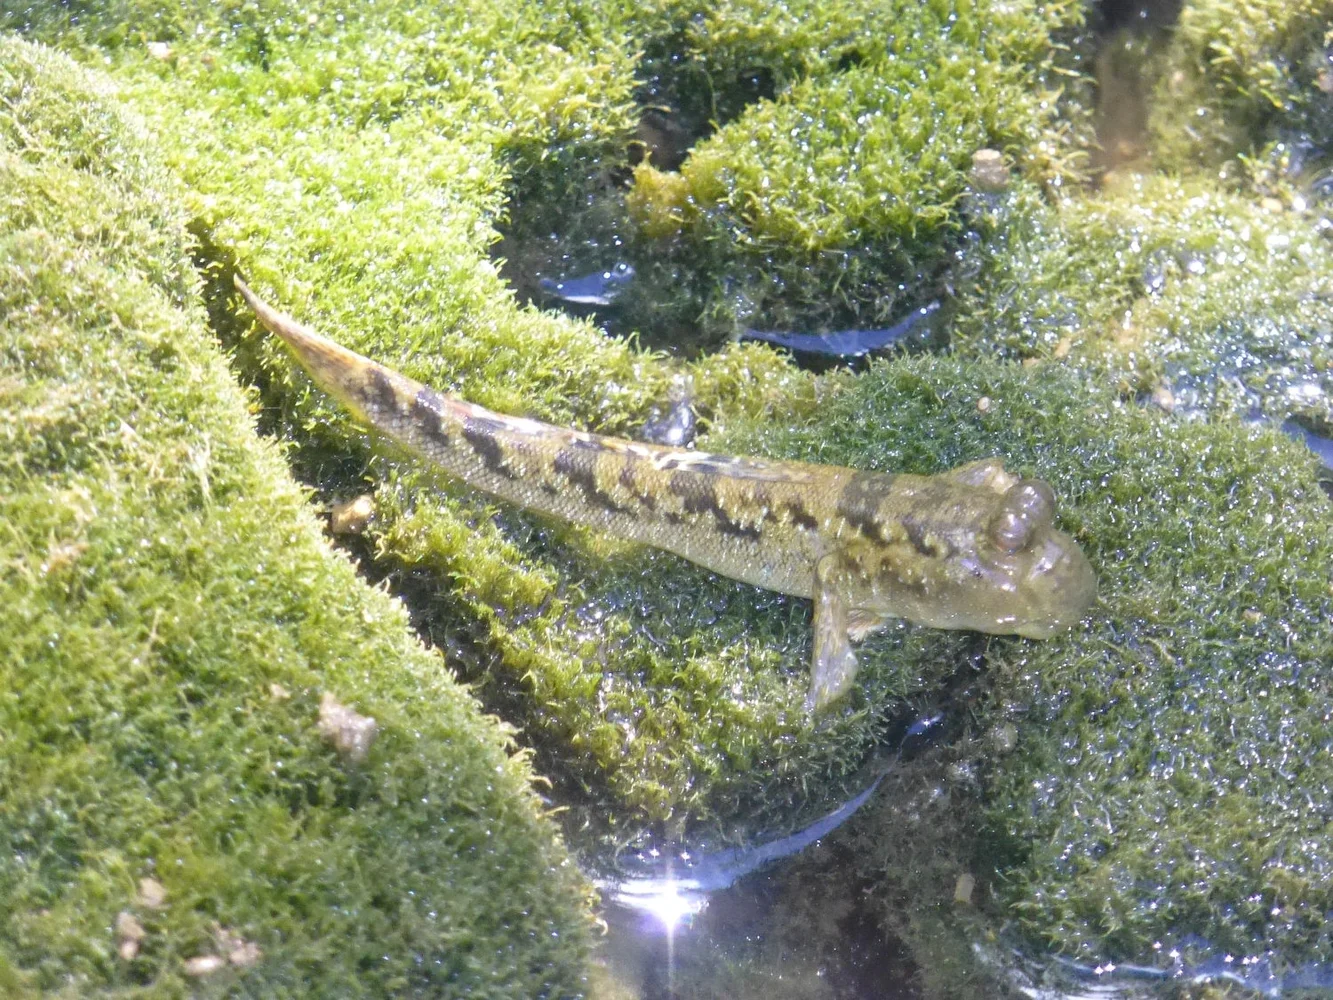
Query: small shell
x=1003 y=738
x=1163 y=398
x=350 y=733
x=128 y=927
x=204 y=965
x=963 y=887
x=129 y=932
x=244 y=956
x=152 y=893
x=989 y=172
x=351 y=517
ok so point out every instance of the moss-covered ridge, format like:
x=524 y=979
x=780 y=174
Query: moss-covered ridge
x=838 y=144
x=1169 y=755
x=664 y=695
x=172 y=619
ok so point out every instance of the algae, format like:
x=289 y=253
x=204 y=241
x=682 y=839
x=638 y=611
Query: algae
x=1218 y=304
x=1245 y=87
x=171 y=820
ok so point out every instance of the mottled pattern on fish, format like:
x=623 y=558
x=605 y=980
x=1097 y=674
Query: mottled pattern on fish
x=972 y=548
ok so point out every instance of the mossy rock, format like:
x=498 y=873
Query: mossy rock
x=833 y=200
x=173 y=619
x=1220 y=304
x=1187 y=718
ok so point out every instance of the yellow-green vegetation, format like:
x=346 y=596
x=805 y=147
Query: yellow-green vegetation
x=834 y=200
x=354 y=165
x=1169 y=754
x=176 y=816
x=837 y=202
x=1244 y=78
x=665 y=695
x=1220 y=304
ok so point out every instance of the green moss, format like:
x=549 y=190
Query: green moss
x=1188 y=715
x=172 y=618
x=831 y=145
x=1161 y=282
x=1240 y=76
x=837 y=200
x=355 y=170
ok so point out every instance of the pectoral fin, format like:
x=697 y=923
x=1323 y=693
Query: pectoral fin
x=834 y=664
x=863 y=623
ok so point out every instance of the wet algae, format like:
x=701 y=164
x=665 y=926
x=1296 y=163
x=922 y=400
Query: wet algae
x=172 y=821
x=355 y=168
x=1214 y=301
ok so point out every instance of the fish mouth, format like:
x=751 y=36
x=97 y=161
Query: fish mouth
x=1064 y=578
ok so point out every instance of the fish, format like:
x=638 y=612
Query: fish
x=972 y=548
x=600 y=288
x=846 y=343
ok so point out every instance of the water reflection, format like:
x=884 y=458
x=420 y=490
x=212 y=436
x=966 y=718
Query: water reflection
x=846 y=343
x=599 y=288
x=673 y=885
x=1191 y=963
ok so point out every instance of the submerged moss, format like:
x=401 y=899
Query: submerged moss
x=172 y=619
x=1245 y=79
x=1163 y=284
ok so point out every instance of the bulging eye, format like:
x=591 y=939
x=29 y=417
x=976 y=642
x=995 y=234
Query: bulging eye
x=1010 y=532
x=1028 y=505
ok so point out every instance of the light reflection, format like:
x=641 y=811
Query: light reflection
x=670 y=908
x=669 y=902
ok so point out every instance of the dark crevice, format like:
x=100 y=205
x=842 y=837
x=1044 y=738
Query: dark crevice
x=1130 y=35
x=568 y=218
x=1135 y=15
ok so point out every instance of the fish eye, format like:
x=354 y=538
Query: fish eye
x=1028 y=505
x=1010 y=532
x=1034 y=499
